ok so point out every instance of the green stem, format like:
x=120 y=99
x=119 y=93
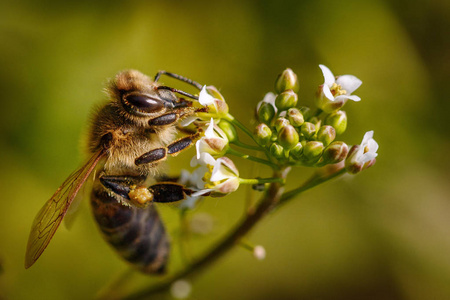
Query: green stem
x=312 y=182
x=260 y=180
x=253 y=158
x=235 y=122
x=242 y=145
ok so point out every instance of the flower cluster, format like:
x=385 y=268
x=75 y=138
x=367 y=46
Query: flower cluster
x=298 y=135
x=288 y=134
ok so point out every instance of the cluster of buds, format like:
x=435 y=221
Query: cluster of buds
x=289 y=133
x=299 y=135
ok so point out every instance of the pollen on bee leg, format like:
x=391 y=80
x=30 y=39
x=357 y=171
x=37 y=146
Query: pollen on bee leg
x=140 y=195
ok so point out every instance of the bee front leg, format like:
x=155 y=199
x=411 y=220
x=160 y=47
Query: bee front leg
x=166 y=119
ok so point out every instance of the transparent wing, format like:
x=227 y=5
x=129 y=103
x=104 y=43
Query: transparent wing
x=51 y=214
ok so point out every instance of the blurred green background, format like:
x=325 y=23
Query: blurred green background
x=384 y=234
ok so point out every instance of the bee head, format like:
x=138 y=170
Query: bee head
x=141 y=97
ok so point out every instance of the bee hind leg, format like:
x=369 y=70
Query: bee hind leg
x=121 y=185
x=161 y=192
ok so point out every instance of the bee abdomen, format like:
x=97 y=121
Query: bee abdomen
x=137 y=234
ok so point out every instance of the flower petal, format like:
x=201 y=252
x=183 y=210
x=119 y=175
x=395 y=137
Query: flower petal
x=327 y=75
x=367 y=136
x=209 y=132
x=204 y=98
x=201 y=192
x=327 y=93
x=373 y=145
x=368 y=157
x=228 y=186
x=220 y=173
x=349 y=83
x=347 y=97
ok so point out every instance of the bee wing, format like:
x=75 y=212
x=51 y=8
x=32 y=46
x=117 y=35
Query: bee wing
x=51 y=214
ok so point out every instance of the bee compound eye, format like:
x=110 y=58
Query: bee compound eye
x=143 y=103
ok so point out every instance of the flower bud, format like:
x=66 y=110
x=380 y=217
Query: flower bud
x=308 y=129
x=326 y=134
x=352 y=163
x=295 y=117
x=306 y=112
x=266 y=112
x=297 y=151
x=338 y=120
x=287 y=80
x=286 y=100
x=288 y=137
x=263 y=134
x=335 y=152
x=228 y=129
x=280 y=123
x=313 y=150
x=277 y=151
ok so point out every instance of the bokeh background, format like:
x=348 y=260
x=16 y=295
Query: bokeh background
x=384 y=234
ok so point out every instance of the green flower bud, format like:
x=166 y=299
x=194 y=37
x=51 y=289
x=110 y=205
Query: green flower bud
x=338 y=120
x=308 y=129
x=228 y=129
x=287 y=80
x=263 y=134
x=286 y=100
x=280 y=123
x=326 y=134
x=313 y=151
x=297 y=151
x=295 y=117
x=266 y=112
x=335 y=152
x=306 y=112
x=277 y=151
x=288 y=137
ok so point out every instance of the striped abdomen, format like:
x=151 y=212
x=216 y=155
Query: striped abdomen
x=137 y=234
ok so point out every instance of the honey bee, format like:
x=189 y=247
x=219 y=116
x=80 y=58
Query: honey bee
x=129 y=137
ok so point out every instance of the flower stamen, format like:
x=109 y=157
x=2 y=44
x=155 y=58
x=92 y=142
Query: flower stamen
x=336 y=90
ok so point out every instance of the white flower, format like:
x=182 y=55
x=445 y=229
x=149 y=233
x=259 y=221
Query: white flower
x=220 y=176
x=214 y=141
x=226 y=175
x=334 y=92
x=362 y=156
